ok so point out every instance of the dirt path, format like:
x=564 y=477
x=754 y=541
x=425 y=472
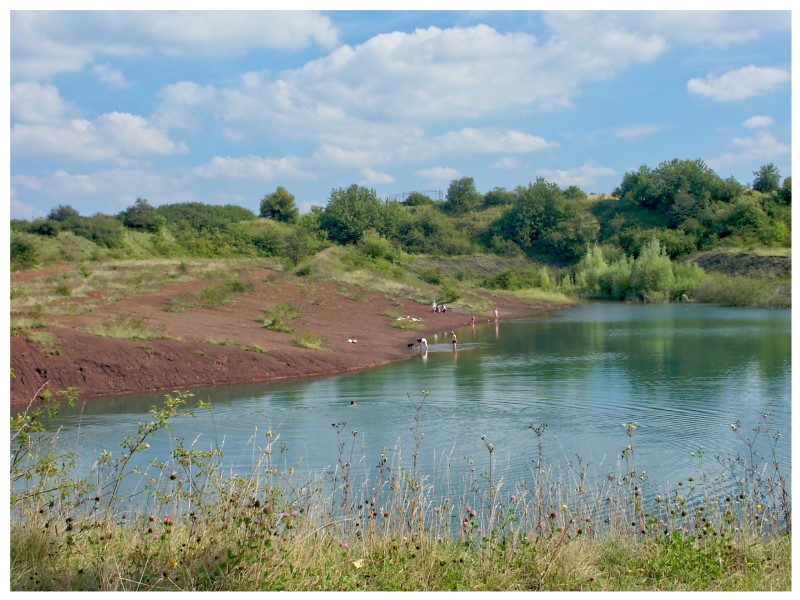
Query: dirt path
x=213 y=342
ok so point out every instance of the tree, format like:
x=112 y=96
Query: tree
x=543 y=221
x=279 y=205
x=417 y=199
x=786 y=191
x=573 y=192
x=461 y=196
x=350 y=212
x=767 y=179
x=498 y=196
x=23 y=252
x=63 y=212
x=657 y=189
x=652 y=271
x=142 y=216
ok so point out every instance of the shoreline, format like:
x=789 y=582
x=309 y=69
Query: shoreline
x=225 y=345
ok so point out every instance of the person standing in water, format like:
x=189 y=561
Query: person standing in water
x=455 y=342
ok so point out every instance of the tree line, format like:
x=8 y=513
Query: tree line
x=682 y=204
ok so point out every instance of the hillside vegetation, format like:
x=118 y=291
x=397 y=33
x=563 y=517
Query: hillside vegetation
x=675 y=232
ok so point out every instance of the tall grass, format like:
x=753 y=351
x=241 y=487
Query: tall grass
x=129 y=327
x=381 y=523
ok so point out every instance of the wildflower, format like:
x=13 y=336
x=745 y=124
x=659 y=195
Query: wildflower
x=152 y=518
x=156 y=536
x=436 y=509
x=344 y=544
x=168 y=520
x=563 y=507
x=513 y=498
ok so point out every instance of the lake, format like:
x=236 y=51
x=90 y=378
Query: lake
x=683 y=373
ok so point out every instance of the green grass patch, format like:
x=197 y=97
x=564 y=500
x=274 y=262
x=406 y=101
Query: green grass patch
x=308 y=340
x=255 y=348
x=278 y=317
x=50 y=343
x=129 y=327
x=406 y=324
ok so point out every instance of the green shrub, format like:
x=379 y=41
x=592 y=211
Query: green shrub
x=309 y=341
x=276 y=318
x=717 y=288
x=652 y=276
x=23 y=252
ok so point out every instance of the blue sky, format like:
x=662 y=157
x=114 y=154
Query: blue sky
x=224 y=107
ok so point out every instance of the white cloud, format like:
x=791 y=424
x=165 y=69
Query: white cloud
x=585 y=175
x=181 y=105
x=634 y=132
x=439 y=174
x=372 y=177
x=45 y=43
x=506 y=162
x=759 y=148
x=740 y=84
x=254 y=168
x=22 y=210
x=336 y=156
x=704 y=27
x=38 y=104
x=133 y=135
x=111 y=189
x=113 y=136
x=490 y=141
x=112 y=77
x=759 y=121
x=461 y=72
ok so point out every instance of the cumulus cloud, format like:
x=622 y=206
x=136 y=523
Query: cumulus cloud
x=491 y=141
x=113 y=189
x=254 y=168
x=372 y=177
x=439 y=174
x=110 y=76
x=37 y=103
x=22 y=210
x=113 y=136
x=585 y=175
x=717 y=28
x=760 y=148
x=45 y=43
x=506 y=162
x=739 y=84
x=759 y=121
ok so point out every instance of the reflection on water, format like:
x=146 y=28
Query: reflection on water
x=683 y=373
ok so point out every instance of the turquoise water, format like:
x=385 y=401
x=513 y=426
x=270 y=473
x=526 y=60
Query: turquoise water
x=683 y=373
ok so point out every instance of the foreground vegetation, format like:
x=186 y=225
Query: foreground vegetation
x=642 y=243
x=184 y=523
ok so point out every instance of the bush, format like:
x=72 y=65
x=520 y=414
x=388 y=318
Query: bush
x=23 y=252
x=652 y=277
x=717 y=288
x=375 y=245
x=276 y=318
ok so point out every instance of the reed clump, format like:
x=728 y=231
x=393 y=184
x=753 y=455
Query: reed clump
x=382 y=523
